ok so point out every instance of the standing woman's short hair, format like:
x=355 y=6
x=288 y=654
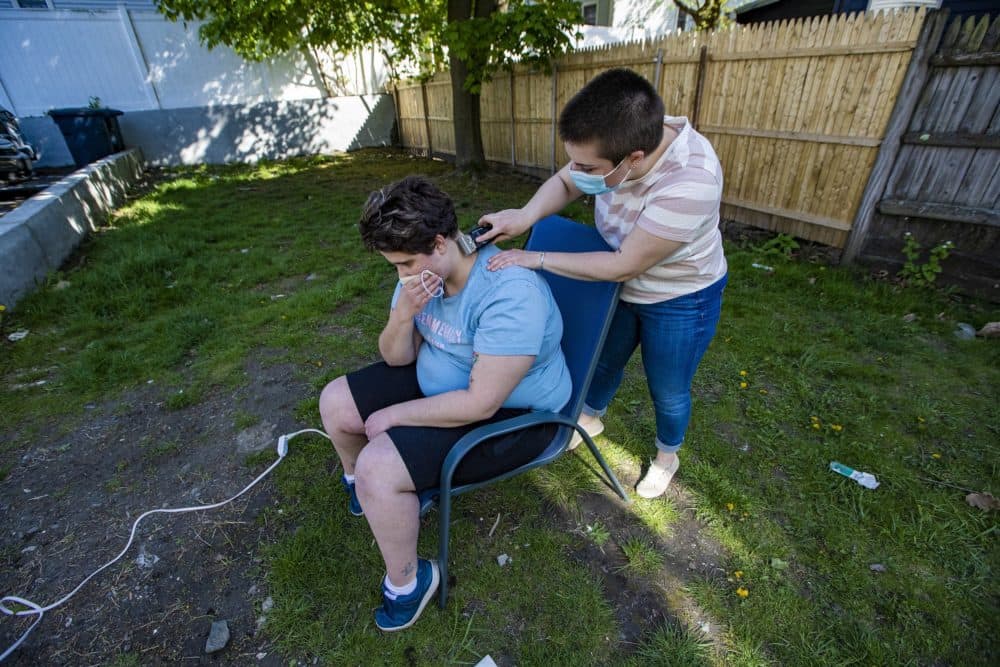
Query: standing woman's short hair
x=618 y=110
x=406 y=216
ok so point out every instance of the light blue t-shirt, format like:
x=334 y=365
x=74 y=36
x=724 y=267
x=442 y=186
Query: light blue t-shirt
x=502 y=313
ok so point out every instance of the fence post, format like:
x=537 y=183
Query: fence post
x=513 y=123
x=702 y=66
x=555 y=88
x=902 y=112
x=427 y=119
x=132 y=39
x=658 y=76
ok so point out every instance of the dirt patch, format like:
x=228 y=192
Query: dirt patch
x=70 y=501
x=643 y=604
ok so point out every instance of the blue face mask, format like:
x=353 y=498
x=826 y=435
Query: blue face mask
x=594 y=184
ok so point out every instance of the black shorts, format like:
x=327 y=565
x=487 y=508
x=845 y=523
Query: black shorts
x=424 y=448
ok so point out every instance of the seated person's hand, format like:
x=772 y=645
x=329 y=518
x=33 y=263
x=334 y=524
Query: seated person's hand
x=379 y=422
x=416 y=293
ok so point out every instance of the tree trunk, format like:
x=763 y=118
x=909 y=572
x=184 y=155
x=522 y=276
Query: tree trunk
x=469 y=155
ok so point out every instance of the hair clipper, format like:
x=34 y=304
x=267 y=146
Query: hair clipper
x=470 y=243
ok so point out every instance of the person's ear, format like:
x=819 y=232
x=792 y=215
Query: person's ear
x=635 y=157
x=440 y=244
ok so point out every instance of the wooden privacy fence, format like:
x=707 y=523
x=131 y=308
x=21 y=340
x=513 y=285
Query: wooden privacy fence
x=796 y=110
x=937 y=175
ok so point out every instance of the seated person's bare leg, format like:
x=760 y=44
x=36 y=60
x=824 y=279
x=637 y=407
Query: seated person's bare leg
x=391 y=506
x=342 y=422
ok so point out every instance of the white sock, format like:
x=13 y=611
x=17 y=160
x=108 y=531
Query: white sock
x=349 y=478
x=405 y=589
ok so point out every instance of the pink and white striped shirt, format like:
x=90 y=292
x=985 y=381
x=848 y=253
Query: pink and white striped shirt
x=678 y=199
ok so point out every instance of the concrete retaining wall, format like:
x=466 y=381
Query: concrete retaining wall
x=38 y=236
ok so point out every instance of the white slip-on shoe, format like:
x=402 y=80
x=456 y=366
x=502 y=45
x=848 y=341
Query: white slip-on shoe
x=593 y=429
x=656 y=480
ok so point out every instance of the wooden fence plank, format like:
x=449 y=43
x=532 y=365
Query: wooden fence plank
x=912 y=85
x=979 y=186
x=945 y=212
x=794 y=109
x=952 y=139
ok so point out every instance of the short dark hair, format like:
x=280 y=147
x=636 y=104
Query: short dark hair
x=617 y=109
x=406 y=216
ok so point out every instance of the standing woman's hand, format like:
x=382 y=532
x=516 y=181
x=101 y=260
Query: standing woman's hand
x=506 y=258
x=506 y=224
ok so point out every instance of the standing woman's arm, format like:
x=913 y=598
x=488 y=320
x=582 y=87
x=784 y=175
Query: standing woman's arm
x=638 y=252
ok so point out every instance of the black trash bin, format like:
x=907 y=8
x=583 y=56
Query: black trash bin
x=90 y=133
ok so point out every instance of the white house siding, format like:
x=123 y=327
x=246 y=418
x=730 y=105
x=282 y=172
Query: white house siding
x=185 y=74
x=644 y=18
x=132 y=61
x=887 y=5
x=87 y=5
x=59 y=58
x=183 y=103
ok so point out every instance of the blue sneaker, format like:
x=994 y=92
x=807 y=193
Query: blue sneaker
x=402 y=612
x=354 y=506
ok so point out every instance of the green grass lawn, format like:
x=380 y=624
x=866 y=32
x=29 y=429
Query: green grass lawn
x=811 y=364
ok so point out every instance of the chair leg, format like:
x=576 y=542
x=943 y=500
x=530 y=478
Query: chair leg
x=607 y=470
x=443 y=535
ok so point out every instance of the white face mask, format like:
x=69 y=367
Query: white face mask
x=424 y=276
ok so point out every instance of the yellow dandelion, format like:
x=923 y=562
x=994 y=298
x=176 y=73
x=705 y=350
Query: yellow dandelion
x=730 y=506
x=920 y=419
x=763 y=391
x=837 y=427
x=738 y=574
x=2 y=307
x=935 y=455
x=816 y=425
x=743 y=385
x=814 y=418
x=743 y=374
x=742 y=592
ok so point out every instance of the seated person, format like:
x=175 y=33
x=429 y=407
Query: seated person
x=463 y=346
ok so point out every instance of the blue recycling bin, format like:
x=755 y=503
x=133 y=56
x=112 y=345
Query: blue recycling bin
x=90 y=134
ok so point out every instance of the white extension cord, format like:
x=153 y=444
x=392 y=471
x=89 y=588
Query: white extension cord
x=34 y=609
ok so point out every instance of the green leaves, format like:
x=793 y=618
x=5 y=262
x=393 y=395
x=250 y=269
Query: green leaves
x=259 y=29
x=417 y=31
x=532 y=34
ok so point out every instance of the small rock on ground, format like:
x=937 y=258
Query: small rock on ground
x=218 y=637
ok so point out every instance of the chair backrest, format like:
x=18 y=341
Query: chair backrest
x=586 y=306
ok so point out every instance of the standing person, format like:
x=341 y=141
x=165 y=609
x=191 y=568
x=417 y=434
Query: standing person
x=658 y=188
x=463 y=346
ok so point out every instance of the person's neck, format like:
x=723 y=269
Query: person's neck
x=648 y=162
x=460 y=275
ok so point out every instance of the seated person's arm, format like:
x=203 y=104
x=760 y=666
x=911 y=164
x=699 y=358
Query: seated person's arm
x=492 y=380
x=399 y=341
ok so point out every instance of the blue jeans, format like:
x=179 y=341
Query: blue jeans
x=674 y=335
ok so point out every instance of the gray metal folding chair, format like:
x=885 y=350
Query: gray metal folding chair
x=587 y=309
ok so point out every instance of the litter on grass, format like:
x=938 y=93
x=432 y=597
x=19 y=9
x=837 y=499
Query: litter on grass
x=865 y=479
